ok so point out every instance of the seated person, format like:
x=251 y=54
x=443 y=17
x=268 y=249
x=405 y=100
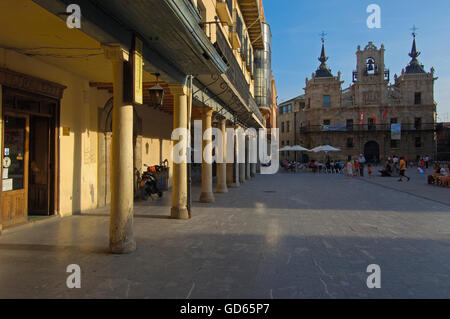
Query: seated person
x=387 y=170
x=433 y=178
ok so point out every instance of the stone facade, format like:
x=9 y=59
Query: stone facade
x=359 y=119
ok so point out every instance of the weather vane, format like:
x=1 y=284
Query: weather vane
x=323 y=34
x=414 y=29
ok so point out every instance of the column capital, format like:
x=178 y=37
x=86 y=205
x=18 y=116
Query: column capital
x=178 y=89
x=207 y=111
x=221 y=119
x=116 y=52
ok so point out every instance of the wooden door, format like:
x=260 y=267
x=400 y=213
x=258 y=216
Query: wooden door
x=39 y=170
x=15 y=157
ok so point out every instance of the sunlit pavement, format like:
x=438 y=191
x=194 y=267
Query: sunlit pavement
x=283 y=236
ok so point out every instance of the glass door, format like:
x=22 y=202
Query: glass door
x=15 y=169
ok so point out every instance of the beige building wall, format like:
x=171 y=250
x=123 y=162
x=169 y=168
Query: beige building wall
x=79 y=153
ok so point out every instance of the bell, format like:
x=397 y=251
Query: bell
x=370 y=66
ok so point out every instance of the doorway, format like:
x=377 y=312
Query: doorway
x=372 y=152
x=29 y=156
x=39 y=177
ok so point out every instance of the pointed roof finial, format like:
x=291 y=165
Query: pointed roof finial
x=323 y=70
x=323 y=34
x=414 y=66
x=414 y=29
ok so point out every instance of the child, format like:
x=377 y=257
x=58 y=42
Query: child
x=357 y=174
x=369 y=170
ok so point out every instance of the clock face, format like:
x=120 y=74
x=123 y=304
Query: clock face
x=6 y=162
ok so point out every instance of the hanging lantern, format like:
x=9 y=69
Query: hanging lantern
x=156 y=94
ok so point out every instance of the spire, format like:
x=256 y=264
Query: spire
x=414 y=66
x=323 y=70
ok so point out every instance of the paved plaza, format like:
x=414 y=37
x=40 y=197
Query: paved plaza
x=283 y=236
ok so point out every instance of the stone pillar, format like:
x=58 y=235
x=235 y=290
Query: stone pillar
x=222 y=167
x=233 y=168
x=241 y=172
x=207 y=195
x=179 y=179
x=121 y=239
x=247 y=157
x=253 y=165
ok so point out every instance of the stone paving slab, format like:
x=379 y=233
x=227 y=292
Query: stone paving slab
x=282 y=236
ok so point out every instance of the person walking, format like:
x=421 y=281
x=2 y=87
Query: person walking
x=362 y=162
x=402 y=167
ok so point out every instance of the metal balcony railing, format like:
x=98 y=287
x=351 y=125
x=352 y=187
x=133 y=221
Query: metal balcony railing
x=408 y=127
x=234 y=72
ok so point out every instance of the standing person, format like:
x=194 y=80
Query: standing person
x=427 y=161
x=362 y=162
x=349 y=169
x=403 y=170
x=357 y=172
x=369 y=170
x=422 y=164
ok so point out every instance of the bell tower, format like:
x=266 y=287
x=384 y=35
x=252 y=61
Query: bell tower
x=370 y=78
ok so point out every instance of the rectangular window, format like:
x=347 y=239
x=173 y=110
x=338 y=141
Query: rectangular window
x=288 y=128
x=394 y=120
x=418 y=142
x=350 y=125
x=394 y=144
x=326 y=101
x=418 y=98
x=371 y=125
x=282 y=127
x=350 y=142
x=326 y=122
x=418 y=123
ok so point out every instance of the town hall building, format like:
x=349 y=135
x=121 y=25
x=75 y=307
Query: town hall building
x=370 y=117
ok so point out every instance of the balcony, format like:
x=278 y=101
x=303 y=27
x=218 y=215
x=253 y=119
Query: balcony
x=224 y=9
x=356 y=75
x=234 y=72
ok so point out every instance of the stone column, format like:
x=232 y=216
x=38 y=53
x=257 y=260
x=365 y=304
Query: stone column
x=241 y=172
x=247 y=157
x=253 y=165
x=222 y=167
x=179 y=179
x=233 y=168
x=207 y=195
x=121 y=239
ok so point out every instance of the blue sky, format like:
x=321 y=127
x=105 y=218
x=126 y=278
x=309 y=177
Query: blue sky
x=296 y=25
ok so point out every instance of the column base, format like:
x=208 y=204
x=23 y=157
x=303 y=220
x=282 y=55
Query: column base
x=252 y=175
x=123 y=247
x=207 y=198
x=179 y=213
x=234 y=185
x=222 y=190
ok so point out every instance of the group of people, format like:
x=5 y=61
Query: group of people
x=330 y=166
x=440 y=176
x=356 y=168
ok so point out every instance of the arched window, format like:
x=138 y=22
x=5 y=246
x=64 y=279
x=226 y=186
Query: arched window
x=371 y=66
